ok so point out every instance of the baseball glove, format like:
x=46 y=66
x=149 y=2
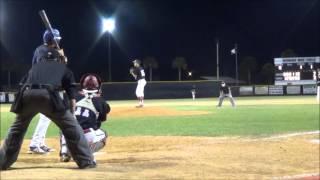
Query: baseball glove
x=131 y=70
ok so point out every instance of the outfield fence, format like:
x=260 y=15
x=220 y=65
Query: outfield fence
x=183 y=89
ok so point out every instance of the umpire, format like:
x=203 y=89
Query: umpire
x=40 y=94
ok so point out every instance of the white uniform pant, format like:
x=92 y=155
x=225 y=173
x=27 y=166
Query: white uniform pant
x=93 y=137
x=318 y=93
x=39 y=135
x=140 y=87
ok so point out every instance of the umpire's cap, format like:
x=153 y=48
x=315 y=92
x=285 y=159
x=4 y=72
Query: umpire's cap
x=48 y=37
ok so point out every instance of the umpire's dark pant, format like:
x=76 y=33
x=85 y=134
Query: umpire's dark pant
x=35 y=101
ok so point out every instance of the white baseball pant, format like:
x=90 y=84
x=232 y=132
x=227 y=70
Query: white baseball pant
x=140 y=87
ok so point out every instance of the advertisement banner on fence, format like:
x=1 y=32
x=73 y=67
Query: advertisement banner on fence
x=293 y=89
x=11 y=97
x=246 y=90
x=275 y=90
x=2 y=97
x=309 y=89
x=261 y=90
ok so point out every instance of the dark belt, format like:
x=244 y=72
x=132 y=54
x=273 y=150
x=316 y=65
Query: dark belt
x=41 y=86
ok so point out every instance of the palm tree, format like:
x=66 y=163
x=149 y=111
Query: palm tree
x=288 y=53
x=179 y=63
x=247 y=66
x=150 y=63
x=268 y=72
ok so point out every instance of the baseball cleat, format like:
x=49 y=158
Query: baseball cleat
x=65 y=158
x=93 y=164
x=36 y=150
x=46 y=148
x=139 y=106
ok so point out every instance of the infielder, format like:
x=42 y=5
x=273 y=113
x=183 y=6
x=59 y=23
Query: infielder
x=225 y=91
x=91 y=111
x=138 y=73
x=37 y=143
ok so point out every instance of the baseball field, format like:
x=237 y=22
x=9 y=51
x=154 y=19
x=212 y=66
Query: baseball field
x=262 y=138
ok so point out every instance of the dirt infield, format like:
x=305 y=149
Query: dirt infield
x=283 y=157
x=151 y=111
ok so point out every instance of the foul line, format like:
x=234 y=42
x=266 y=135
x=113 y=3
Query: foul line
x=292 y=135
x=298 y=176
x=276 y=137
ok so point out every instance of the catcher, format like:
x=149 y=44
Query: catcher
x=91 y=111
x=138 y=73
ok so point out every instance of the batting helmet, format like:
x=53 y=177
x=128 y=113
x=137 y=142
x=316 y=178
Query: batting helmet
x=48 y=37
x=90 y=82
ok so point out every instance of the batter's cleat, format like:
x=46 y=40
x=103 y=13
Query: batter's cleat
x=36 y=150
x=65 y=157
x=46 y=148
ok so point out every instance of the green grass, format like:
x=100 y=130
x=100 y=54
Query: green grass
x=245 y=120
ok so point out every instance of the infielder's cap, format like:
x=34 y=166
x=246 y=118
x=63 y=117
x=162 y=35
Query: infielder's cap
x=48 y=36
x=136 y=61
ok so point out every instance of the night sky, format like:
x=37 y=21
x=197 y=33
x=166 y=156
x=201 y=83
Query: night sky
x=163 y=29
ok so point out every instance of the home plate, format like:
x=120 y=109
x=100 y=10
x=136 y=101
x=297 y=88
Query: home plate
x=98 y=153
x=315 y=141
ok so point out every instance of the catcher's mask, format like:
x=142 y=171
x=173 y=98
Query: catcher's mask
x=90 y=82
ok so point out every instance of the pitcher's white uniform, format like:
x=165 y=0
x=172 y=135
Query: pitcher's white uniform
x=138 y=73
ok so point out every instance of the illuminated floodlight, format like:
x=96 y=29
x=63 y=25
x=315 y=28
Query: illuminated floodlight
x=108 y=25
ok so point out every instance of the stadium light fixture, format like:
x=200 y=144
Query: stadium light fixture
x=108 y=25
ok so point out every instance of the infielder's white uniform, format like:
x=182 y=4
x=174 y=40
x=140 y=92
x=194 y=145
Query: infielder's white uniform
x=318 y=92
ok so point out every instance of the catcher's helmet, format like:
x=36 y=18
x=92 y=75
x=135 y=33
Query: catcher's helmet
x=48 y=36
x=90 y=82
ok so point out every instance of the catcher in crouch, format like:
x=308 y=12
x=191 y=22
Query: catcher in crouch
x=91 y=111
x=138 y=73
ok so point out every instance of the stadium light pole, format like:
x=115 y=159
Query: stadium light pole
x=234 y=51
x=217 y=46
x=108 y=25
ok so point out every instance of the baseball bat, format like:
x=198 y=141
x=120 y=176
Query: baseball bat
x=48 y=26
